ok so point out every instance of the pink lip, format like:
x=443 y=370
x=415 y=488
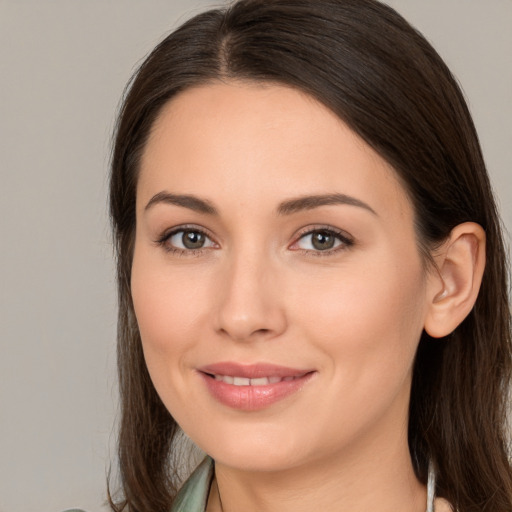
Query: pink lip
x=253 y=397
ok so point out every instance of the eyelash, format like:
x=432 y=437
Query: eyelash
x=346 y=241
x=343 y=237
x=167 y=235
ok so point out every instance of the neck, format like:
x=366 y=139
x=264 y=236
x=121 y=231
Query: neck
x=380 y=479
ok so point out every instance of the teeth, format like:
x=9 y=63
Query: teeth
x=243 y=381
x=262 y=381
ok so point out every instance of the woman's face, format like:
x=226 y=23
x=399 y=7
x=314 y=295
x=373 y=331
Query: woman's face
x=276 y=279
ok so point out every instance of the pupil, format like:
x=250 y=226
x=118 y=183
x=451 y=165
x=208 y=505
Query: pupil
x=323 y=241
x=193 y=240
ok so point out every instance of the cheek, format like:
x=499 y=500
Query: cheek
x=167 y=305
x=367 y=324
x=369 y=320
x=168 y=310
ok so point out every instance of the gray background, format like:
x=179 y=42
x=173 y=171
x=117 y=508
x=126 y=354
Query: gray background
x=63 y=68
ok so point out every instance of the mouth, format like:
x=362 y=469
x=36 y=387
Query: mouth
x=260 y=381
x=252 y=387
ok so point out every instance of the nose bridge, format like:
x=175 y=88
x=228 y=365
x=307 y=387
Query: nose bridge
x=249 y=303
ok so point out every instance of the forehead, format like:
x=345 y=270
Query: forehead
x=259 y=141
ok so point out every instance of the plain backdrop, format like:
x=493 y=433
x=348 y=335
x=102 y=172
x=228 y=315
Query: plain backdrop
x=63 y=68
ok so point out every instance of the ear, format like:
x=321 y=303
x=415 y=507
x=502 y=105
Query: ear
x=454 y=284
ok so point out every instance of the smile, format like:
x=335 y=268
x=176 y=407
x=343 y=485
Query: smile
x=244 y=381
x=252 y=387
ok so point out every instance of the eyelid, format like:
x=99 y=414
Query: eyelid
x=170 y=232
x=346 y=239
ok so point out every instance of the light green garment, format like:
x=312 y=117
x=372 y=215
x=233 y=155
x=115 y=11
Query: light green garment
x=193 y=495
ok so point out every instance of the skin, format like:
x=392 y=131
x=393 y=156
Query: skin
x=259 y=291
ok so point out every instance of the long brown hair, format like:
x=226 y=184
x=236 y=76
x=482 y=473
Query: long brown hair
x=381 y=77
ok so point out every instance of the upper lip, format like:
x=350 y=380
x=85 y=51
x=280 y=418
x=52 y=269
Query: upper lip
x=252 y=371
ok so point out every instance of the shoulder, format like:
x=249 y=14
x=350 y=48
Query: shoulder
x=441 y=505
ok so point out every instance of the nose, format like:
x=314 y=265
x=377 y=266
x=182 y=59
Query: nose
x=250 y=303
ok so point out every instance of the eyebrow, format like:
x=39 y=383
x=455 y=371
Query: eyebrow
x=310 y=202
x=184 y=200
x=285 y=208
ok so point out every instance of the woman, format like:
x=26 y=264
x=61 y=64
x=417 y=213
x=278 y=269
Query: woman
x=312 y=279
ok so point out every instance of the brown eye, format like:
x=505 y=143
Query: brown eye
x=192 y=239
x=323 y=240
x=188 y=240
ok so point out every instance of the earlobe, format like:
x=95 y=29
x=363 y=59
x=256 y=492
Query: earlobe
x=455 y=283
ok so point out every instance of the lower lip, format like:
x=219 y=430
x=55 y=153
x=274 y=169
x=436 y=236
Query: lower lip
x=253 y=398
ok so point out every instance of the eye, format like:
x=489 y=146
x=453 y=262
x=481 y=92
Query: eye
x=323 y=240
x=186 y=240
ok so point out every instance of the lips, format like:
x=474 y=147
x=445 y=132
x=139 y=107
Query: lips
x=252 y=387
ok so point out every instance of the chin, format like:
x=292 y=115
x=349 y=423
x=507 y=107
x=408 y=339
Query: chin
x=264 y=461
x=255 y=448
